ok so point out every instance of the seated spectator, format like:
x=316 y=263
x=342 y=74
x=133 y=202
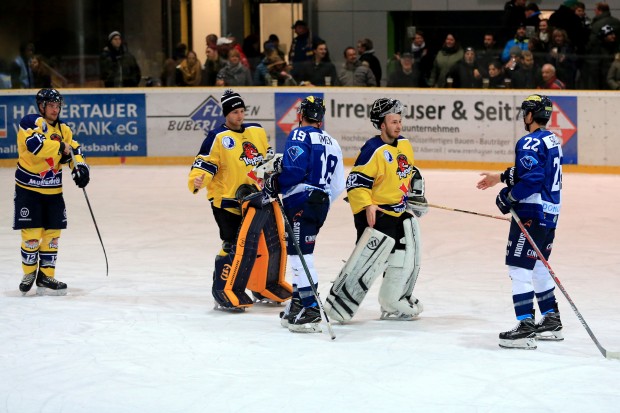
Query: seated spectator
x=212 y=66
x=273 y=42
x=406 y=74
x=41 y=75
x=520 y=40
x=234 y=73
x=550 y=80
x=278 y=70
x=21 y=73
x=189 y=71
x=318 y=71
x=562 y=56
x=447 y=57
x=613 y=76
x=526 y=75
x=366 y=50
x=354 y=72
x=465 y=73
x=496 y=76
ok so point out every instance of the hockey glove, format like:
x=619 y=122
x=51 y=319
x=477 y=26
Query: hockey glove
x=64 y=159
x=505 y=201
x=509 y=177
x=272 y=186
x=81 y=175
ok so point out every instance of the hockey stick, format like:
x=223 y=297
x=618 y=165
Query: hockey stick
x=604 y=352
x=291 y=234
x=91 y=214
x=463 y=211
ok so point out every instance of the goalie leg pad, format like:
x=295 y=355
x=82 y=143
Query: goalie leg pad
x=366 y=263
x=395 y=295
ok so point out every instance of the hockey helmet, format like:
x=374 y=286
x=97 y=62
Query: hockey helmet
x=312 y=108
x=540 y=106
x=45 y=96
x=382 y=107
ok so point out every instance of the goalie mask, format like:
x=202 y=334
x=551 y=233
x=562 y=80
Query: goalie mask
x=383 y=107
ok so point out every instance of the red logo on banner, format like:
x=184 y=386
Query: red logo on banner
x=561 y=125
x=290 y=119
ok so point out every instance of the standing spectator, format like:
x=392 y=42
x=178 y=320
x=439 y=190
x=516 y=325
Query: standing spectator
x=318 y=71
x=212 y=66
x=533 y=193
x=613 y=76
x=234 y=73
x=544 y=35
x=21 y=73
x=406 y=74
x=367 y=54
x=565 y=18
x=520 y=40
x=496 y=76
x=44 y=145
x=465 y=73
x=354 y=72
x=251 y=49
x=563 y=58
x=311 y=179
x=273 y=42
x=118 y=67
x=526 y=75
x=514 y=16
x=5 y=76
x=168 y=76
x=189 y=71
x=41 y=75
x=211 y=40
x=302 y=46
x=489 y=53
x=532 y=15
x=580 y=11
x=602 y=17
x=550 y=80
x=422 y=58
x=447 y=57
x=602 y=55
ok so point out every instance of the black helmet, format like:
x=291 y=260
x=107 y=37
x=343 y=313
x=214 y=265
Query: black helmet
x=382 y=107
x=540 y=106
x=49 y=95
x=312 y=108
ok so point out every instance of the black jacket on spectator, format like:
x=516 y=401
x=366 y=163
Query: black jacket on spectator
x=401 y=79
x=565 y=18
x=526 y=78
x=512 y=18
x=463 y=75
x=373 y=63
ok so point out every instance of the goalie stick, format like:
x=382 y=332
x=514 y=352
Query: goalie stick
x=91 y=214
x=607 y=354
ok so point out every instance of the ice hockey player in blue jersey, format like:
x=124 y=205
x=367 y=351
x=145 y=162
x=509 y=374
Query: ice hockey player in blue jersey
x=533 y=188
x=311 y=177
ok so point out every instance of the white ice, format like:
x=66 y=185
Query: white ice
x=146 y=339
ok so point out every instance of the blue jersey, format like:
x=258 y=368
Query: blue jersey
x=312 y=160
x=539 y=177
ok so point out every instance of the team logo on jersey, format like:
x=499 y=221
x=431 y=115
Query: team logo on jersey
x=403 y=167
x=228 y=142
x=55 y=137
x=294 y=152
x=49 y=172
x=250 y=154
x=528 y=162
x=388 y=156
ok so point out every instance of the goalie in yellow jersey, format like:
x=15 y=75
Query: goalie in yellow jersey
x=44 y=144
x=253 y=253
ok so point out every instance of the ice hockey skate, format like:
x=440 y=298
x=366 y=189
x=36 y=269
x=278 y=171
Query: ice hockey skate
x=262 y=300
x=307 y=321
x=27 y=282
x=523 y=336
x=49 y=285
x=292 y=308
x=416 y=309
x=219 y=307
x=549 y=327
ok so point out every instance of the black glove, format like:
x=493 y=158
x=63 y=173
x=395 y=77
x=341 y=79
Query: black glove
x=509 y=177
x=272 y=186
x=64 y=158
x=81 y=175
x=505 y=201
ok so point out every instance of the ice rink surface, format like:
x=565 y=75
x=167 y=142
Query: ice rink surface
x=145 y=339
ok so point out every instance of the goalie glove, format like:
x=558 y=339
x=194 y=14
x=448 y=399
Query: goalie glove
x=416 y=201
x=270 y=167
x=272 y=186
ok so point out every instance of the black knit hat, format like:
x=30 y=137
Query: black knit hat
x=230 y=101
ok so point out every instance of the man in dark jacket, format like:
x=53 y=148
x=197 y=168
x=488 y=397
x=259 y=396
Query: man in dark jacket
x=118 y=67
x=367 y=54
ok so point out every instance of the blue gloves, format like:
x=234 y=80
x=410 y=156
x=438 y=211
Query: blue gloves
x=505 y=201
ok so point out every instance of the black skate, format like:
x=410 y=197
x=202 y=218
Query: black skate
x=291 y=310
x=523 y=336
x=27 y=282
x=307 y=321
x=549 y=327
x=49 y=285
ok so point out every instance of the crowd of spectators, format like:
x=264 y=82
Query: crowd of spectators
x=566 y=51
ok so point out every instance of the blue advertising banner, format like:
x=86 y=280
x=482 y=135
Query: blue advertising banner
x=564 y=124
x=286 y=105
x=104 y=124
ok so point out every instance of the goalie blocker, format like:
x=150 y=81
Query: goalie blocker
x=258 y=260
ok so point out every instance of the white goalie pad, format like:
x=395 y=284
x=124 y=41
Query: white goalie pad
x=367 y=262
x=395 y=295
